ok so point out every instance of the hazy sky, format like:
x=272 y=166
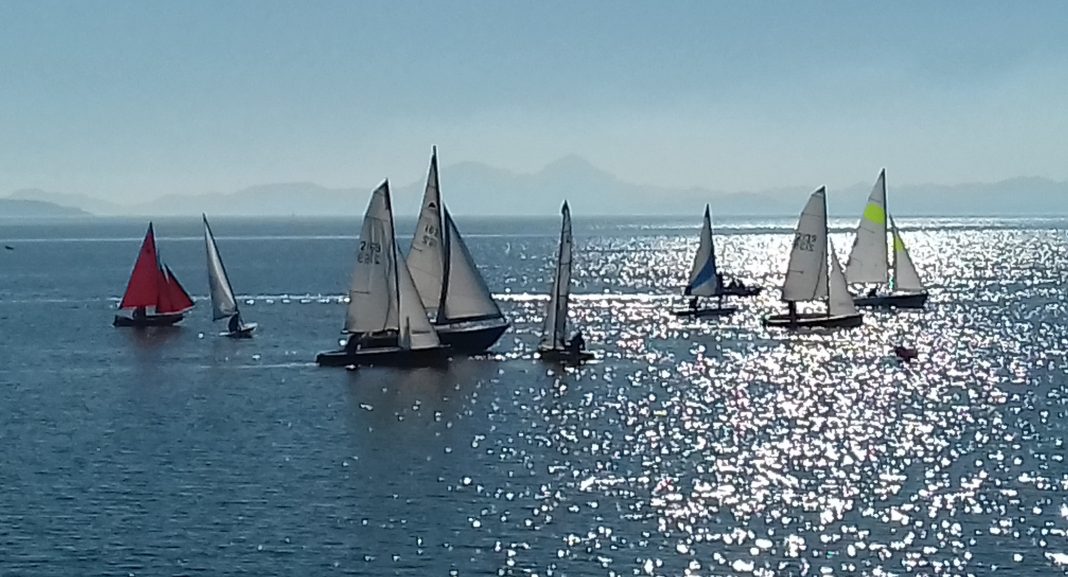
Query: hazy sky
x=136 y=99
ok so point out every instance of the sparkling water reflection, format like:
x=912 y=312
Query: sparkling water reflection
x=690 y=448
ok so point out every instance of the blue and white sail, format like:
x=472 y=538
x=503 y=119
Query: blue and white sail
x=704 y=278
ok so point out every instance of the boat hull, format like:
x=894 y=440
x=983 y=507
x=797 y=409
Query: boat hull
x=388 y=356
x=565 y=356
x=749 y=291
x=147 y=321
x=703 y=313
x=470 y=340
x=245 y=332
x=899 y=300
x=814 y=320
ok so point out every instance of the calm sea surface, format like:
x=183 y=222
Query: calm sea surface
x=703 y=448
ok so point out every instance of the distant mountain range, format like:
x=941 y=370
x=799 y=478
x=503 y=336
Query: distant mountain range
x=472 y=188
x=27 y=208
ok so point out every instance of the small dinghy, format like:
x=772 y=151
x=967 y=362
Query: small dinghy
x=906 y=354
x=462 y=309
x=223 y=303
x=705 y=279
x=808 y=277
x=152 y=285
x=897 y=284
x=385 y=319
x=553 y=346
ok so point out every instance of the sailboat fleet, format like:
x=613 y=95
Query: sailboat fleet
x=422 y=308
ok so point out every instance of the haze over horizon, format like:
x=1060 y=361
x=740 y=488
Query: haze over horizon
x=130 y=101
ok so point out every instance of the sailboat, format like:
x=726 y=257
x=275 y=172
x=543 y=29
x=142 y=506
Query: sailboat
x=868 y=263
x=452 y=290
x=705 y=278
x=152 y=285
x=554 y=345
x=385 y=318
x=808 y=279
x=223 y=303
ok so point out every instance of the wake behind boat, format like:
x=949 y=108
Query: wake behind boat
x=553 y=347
x=152 y=285
x=705 y=278
x=223 y=303
x=868 y=264
x=384 y=305
x=452 y=290
x=807 y=277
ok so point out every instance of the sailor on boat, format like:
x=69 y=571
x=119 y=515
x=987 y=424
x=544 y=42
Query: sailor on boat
x=577 y=344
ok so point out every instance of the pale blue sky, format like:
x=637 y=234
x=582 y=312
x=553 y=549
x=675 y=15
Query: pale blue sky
x=129 y=100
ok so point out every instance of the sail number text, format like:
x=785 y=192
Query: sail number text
x=370 y=253
x=805 y=242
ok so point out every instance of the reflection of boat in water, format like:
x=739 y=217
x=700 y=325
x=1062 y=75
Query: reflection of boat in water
x=808 y=277
x=152 y=285
x=383 y=301
x=553 y=346
x=705 y=279
x=463 y=311
x=868 y=262
x=223 y=303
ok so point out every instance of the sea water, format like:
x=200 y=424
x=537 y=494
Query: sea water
x=704 y=447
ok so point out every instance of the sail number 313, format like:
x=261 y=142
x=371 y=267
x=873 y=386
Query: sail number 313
x=370 y=253
x=805 y=242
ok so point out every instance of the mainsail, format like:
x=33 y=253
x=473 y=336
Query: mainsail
x=806 y=273
x=223 y=303
x=152 y=284
x=868 y=258
x=554 y=332
x=704 y=277
x=382 y=295
x=442 y=268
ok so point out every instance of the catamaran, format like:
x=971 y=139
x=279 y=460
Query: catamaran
x=223 y=303
x=807 y=277
x=452 y=290
x=554 y=345
x=152 y=285
x=868 y=263
x=385 y=318
x=705 y=278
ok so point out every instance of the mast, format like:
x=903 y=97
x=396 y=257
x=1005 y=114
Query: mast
x=393 y=247
x=445 y=240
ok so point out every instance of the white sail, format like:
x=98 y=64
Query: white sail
x=223 y=303
x=445 y=275
x=417 y=332
x=554 y=333
x=839 y=301
x=372 y=293
x=906 y=278
x=704 y=277
x=466 y=295
x=426 y=257
x=806 y=273
x=867 y=260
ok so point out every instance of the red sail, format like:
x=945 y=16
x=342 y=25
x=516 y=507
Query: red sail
x=176 y=300
x=144 y=280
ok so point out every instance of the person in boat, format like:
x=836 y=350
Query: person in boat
x=139 y=313
x=235 y=324
x=792 y=311
x=577 y=344
x=353 y=344
x=874 y=291
x=693 y=303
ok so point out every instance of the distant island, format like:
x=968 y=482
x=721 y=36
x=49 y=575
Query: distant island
x=25 y=208
x=476 y=189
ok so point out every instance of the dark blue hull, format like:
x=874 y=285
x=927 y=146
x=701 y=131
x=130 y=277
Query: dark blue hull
x=391 y=356
x=147 y=321
x=900 y=301
x=814 y=321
